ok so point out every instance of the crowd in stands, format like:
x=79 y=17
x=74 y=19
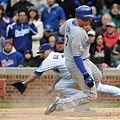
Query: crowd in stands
x=25 y=26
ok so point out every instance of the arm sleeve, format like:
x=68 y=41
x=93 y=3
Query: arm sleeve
x=33 y=29
x=80 y=65
x=9 y=31
x=38 y=73
x=39 y=35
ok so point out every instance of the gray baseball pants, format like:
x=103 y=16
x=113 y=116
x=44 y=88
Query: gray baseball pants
x=86 y=94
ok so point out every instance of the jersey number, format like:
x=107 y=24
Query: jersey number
x=67 y=39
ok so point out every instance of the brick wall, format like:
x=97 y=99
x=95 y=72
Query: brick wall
x=36 y=90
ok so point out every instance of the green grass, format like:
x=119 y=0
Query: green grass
x=43 y=105
x=105 y=105
x=23 y=105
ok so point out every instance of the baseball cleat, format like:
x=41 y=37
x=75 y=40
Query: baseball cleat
x=52 y=107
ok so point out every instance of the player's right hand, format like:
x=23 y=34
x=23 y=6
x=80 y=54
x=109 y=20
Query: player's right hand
x=49 y=90
x=88 y=80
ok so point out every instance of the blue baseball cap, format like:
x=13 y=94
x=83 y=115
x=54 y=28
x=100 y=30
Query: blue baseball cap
x=48 y=27
x=44 y=47
x=60 y=40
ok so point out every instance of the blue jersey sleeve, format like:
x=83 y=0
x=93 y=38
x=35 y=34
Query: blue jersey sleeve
x=80 y=65
x=38 y=73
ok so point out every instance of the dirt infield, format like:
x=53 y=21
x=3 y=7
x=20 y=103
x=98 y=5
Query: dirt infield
x=38 y=114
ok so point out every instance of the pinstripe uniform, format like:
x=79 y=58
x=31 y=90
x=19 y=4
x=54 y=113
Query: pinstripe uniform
x=56 y=62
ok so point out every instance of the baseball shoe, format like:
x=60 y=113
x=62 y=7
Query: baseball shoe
x=52 y=107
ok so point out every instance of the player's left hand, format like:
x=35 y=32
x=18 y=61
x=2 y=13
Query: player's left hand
x=88 y=80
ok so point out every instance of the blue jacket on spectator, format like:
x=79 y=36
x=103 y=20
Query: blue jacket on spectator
x=11 y=59
x=4 y=25
x=21 y=34
x=52 y=15
x=4 y=1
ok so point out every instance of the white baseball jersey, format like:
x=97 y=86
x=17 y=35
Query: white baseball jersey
x=76 y=40
x=56 y=62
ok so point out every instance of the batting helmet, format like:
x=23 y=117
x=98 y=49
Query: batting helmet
x=84 y=12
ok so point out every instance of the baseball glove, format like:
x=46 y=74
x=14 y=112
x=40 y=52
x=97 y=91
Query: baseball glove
x=19 y=86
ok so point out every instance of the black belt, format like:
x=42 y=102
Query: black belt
x=82 y=59
x=85 y=59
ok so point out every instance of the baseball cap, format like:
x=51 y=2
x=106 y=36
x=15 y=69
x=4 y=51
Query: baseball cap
x=48 y=27
x=60 y=40
x=15 y=13
x=44 y=47
x=8 y=41
x=28 y=51
x=92 y=32
x=112 y=24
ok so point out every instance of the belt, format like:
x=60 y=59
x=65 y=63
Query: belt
x=85 y=59
x=82 y=59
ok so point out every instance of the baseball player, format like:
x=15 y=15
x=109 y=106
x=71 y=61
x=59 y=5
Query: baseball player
x=76 y=50
x=52 y=61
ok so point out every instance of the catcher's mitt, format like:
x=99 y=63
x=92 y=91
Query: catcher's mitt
x=19 y=86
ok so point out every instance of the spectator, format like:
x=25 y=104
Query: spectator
x=48 y=31
x=96 y=19
x=116 y=53
x=9 y=57
x=4 y=21
x=68 y=9
x=92 y=37
x=4 y=3
x=15 y=16
x=115 y=13
x=104 y=10
x=28 y=59
x=20 y=5
x=22 y=32
x=109 y=3
x=101 y=53
x=111 y=35
x=37 y=61
x=83 y=2
x=2 y=40
x=59 y=45
x=52 y=41
x=53 y=14
x=34 y=17
x=106 y=18
x=98 y=3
